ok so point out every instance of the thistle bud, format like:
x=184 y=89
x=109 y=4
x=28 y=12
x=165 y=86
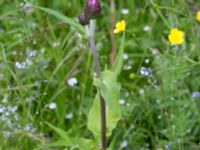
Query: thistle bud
x=92 y=9
x=83 y=19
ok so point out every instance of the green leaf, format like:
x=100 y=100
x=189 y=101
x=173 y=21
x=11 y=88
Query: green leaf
x=82 y=143
x=110 y=91
x=109 y=88
x=94 y=119
x=59 y=143
x=117 y=66
x=65 y=19
x=60 y=132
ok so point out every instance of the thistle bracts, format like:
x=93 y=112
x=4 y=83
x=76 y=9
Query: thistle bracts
x=91 y=11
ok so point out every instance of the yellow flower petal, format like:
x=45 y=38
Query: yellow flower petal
x=116 y=31
x=198 y=16
x=174 y=31
x=176 y=36
x=120 y=26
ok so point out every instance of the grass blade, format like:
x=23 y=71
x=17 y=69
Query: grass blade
x=65 y=19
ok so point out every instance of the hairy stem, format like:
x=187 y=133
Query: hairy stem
x=98 y=72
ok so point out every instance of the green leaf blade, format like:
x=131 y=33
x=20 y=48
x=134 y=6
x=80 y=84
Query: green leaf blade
x=82 y=143
x=65 y=19
x=117 y=66
x=110 y=91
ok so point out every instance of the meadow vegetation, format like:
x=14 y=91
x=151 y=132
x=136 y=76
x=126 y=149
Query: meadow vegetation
x=48 y=85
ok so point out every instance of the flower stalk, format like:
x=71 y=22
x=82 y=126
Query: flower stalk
x=93 y=48
x=98 y=72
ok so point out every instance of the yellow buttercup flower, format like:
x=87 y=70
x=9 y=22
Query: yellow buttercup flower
x=198 y=16
x=176 y=36
x=120 y=26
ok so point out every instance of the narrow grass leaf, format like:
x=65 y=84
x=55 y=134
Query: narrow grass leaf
x=65 y=19
x=117 y=66
x=60 y=132
x=58 y=143
x=83 y=143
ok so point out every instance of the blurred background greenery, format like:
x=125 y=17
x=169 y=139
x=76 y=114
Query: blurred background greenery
x=46 y=74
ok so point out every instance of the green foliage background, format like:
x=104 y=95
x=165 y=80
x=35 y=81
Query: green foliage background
x=159 y=111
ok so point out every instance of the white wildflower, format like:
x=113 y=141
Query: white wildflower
x=55 y=44
x=13 y=109
x=26 y=7
x=14 y=53
x=6 y=133
x=28 y=127
x=158 y=101
x=141 y=91
x=42 y=50
x=124 y=144
x=125 y=56
x=72 y=81
x=146 y=28
x=154 y=51
x=20 y=65
x=32 y=53
x=125 y=11
x=144 y=71
x=147 y=61
x=52 y=105
x=195 y=95
x=127 y=67
x=122 y=101
x=2 y=109
x=69 y=115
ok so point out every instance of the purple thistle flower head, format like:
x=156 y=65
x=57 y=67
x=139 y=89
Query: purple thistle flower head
x=92 y=9
x=83 y=19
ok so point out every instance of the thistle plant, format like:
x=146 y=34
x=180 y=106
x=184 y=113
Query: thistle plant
x=83 y=19
x=106 y=81
x=105 y=111
x=90 y=13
